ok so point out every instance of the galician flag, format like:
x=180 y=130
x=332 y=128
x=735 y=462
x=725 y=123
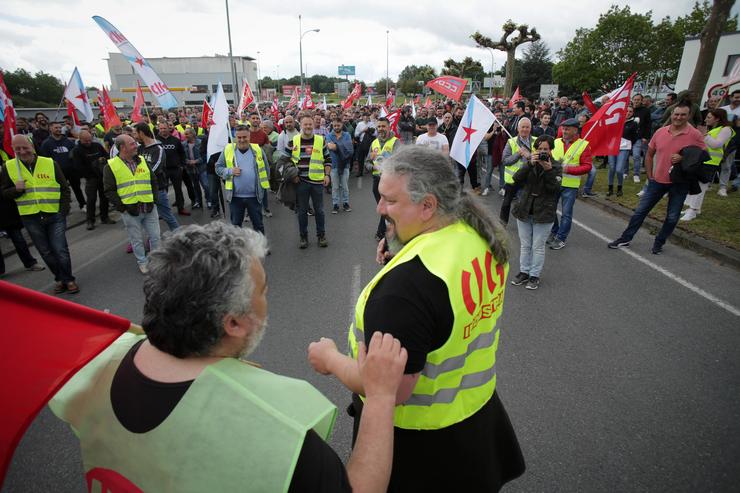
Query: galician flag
x=77 y=95
x=473 y=127
x=218 y=135
x=160 y=90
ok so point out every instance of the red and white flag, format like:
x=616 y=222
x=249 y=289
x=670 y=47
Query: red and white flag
x=390 y=98
x=77 y=95
x=393 y=121
x=448 y=85
x=110 y=117
x=71 y=111
x=206 y=117
x=428 y=103
x=604 y=130
x=515 y=97
x=294 y=97
x=136 y=115
x=417 y=100
x=308 y=99
x=246 y=98
x=9 y=130
x=275 y=109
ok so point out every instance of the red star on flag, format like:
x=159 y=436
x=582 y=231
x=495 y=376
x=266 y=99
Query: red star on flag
x=140 y=61
x=82 y=96
x=468 y=132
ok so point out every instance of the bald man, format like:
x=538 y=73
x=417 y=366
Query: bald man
x=41 y=192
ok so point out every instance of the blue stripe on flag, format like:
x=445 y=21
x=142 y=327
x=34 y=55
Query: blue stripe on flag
x=470 y=122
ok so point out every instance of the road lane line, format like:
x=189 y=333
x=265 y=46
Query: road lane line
x=359 y=183
x=670 y=275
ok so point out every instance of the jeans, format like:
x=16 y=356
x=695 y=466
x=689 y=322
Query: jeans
x=340 y=190
x=21 y=247
x=653 y=193
x=265 y=203
x=568 y=199
x=617 y=165
x=726 y=169
x=135 y=227
x=239 y=205
x=175 y=177
x=590 y=180
x=486 y=168
x=165 y=211
x=315 y=192
x=381 y=225
x=48 y=233
x=532 y=237
x=501 y=176
x=637 y=153
x=203 y=179
x=217 y=195
x=511 y=190
x=93 y=189
x=192 y=183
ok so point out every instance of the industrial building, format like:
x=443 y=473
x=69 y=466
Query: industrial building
x=191 y=79
x=727 y=54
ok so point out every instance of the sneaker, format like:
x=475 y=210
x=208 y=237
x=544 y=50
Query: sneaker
x=209 y=205
x=520 y=279
x=619 y=192
x=268 y=213
x=640 y=193
x=636 y=179
x=322 y=241
x=335 y=209
x=589 y=194
x=197 y=205
x=550 y=239
x=36 y=268
x=129 y=248
x=557 y=244
x=310 y=211
x=72 y=287
x=533 y=283
x=502 y=192
x=722 y=192
x=59 y=287
x=346 y=208
x=90 y=226
x=303 y=244
x=107 y=220
x=689 y=215
x=143 y=269
x=657 y=249
x=183 y=212
x=215 y=214
x=618 y=243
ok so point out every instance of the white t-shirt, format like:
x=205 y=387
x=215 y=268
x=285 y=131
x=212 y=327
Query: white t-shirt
x=437 y=142
x=732 y=114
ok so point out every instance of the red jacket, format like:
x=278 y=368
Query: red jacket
x=584 y=162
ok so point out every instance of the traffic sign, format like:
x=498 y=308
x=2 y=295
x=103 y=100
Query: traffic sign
x=346 y=70
x=719 y=90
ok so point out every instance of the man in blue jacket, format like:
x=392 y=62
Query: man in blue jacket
x=341 y=151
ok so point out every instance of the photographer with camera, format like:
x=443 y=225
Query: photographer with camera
x=538 y=180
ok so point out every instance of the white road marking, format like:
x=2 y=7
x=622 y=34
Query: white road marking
x=359 y=183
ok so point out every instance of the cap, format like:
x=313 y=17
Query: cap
x=570 y=122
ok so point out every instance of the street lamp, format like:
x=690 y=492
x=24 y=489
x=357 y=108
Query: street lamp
x=235 y=86
x=300 y=45
x=386 y=62
x=258 y=76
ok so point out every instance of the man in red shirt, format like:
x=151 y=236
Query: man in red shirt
x=663 y=153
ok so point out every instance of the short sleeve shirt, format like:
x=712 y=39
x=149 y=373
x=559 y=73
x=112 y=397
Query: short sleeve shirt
x=665 y=144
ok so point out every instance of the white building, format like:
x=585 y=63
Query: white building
x=191 y=79
x=728 y=51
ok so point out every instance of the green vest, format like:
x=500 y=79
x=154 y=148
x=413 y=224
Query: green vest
x=381 y=154
x=510 y=170
x=131 y=188
x=570 y=158
x=3 y=156
x=261 y=168
x=459 y=377
x=717 y=153
x=43 y=193
x=100 y=129
x=237 y=428
x=316 y=162
x=182 y=129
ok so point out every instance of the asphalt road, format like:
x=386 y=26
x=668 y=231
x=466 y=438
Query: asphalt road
x=621 y=373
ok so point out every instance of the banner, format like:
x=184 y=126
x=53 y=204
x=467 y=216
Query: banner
x=604 y=130
x=448 y=85
x=474 y=124
x=160 y=90
x=110 y=117
x=294 y=97
x=77 y=95
x=5 y=99
x=245 y=100
x=218 y=135
x=136 y=115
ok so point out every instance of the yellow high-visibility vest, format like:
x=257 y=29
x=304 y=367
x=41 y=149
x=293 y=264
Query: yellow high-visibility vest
x=132 y=188
x=43 y=193
x=572 y=158
x=381 y=154
x=716 y=154
x=316 y=162
x=229 y=151
x=510 y=170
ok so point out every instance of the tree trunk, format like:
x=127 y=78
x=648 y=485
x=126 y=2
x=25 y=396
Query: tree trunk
x=510 y=61
x=708 y=48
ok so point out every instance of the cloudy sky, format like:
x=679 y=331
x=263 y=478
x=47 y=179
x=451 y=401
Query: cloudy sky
x=56 y=36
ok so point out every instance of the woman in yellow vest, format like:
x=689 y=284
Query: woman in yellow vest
x=717 y=137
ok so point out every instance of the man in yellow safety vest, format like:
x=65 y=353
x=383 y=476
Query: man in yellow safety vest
x=381 y=148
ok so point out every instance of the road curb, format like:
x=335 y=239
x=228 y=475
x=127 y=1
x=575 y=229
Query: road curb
x=720 y=253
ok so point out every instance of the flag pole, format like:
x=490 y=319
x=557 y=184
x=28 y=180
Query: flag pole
x=56 y=115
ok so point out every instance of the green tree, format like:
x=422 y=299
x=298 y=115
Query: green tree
x=380 y=86
x=534 y=69
x=709 y=36
x=411 y=75
x=28 y=90
x=467 y=68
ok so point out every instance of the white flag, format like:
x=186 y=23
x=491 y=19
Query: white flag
x=77 y=95
x=218 y=136
x=383 y=112
x=413 y=109
x=323 y=104
x=369 y=100
x=473 y=127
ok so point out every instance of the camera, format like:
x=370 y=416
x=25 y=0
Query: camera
x=544 y=156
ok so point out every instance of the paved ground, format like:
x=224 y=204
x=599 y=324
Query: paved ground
x=620 y=373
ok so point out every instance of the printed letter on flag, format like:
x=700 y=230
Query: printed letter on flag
x=218 y=135
x=515 y=97
x=77 y=95
x=448 y=85
x=474 y=124
x=246 y=98
x=110 y=117
x=604 y=130
x=160 y=90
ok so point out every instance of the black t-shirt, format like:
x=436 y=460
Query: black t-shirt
x=141 y=404
x=480 y=453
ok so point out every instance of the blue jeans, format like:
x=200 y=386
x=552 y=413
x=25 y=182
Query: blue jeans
x=501 y=179
x=532 y=237
x=653 y=193
x=203 y=178
x=340 y=186
x=590 y=180
x=315 y=192
x=484 y=166
x=165 y=211
x=239 y=205
x=135 y=227
x=637 y=154
x=617 y=165
x=48 y=233
x=568 y=199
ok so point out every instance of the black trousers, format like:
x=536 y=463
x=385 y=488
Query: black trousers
x=376 y=193
x=510 y=191
x=187 y=179
x=73 y=177
x=174 y=175
x=93 y=190
x=471 y=170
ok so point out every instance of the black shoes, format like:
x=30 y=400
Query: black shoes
x=520 y=279
x=619 y=243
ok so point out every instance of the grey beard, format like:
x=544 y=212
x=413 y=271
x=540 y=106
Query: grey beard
x=253 y=341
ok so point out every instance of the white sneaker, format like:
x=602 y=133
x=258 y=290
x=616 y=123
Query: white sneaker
x=485 y=192
x=640 y=193
x=689 y=215
x=144 y=269
x=722 y=192
x=636 y=179
x=502 y=192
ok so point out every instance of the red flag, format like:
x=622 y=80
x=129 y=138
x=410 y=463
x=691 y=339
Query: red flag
x=275 y=109
x=393 y=121
x=9 y=131
x=390 y=98
x=589 y=104
x=45 y=340
x=110 y=117
x=417 y=100
x=71 y=111
x=136 y=116
x=206 y=117
x=448 y=85
x=604 y=130
x=246 y=99
x=353 y=96
x=428 y=103
x=4 y=93
x=294 y=97
x=308 y=99
x=515 y=97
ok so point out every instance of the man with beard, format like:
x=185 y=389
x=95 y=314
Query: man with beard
x=181 y=399
x=381 y=149
x=88 y=158
x=58 y=147
x=448 y=414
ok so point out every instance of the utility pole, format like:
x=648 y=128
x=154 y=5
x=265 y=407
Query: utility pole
x=235 y=86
